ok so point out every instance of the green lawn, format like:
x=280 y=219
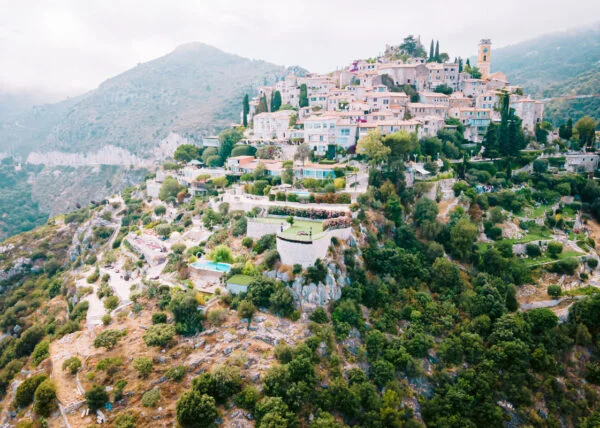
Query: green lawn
x=300 y=229
x=546 y=259
x=240 y=279
x=540 y=210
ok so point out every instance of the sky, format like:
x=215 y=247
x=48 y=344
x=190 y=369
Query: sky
x=67 y=47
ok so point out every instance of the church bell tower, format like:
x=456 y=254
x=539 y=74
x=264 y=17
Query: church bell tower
x=483 y=58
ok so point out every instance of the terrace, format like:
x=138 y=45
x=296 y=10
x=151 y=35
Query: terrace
x=299 y=231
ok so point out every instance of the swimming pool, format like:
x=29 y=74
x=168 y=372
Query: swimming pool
x=301 y=193
x=214 y=266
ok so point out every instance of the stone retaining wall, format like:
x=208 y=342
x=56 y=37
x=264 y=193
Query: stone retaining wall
x=305 y=253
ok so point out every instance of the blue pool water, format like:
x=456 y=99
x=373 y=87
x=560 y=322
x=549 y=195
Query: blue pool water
x=207 y=265
x=301 y=193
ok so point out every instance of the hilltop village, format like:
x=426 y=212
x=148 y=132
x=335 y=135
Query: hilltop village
x=404 y=243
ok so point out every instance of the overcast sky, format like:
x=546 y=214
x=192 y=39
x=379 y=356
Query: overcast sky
x=70 y=46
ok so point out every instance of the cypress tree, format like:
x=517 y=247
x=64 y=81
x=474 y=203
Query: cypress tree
x=460 y=65
x=275 y=101
x=431 y=51
x=245 y=110
x=437 y=51
x=303 y=98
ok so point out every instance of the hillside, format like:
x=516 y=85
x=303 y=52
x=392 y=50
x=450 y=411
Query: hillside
x=407 y=321
x=133 y=119
x=195 y=90
x=555 y=65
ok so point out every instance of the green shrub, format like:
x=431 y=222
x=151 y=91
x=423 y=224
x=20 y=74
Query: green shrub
x=554 y=291
x=41 y=352
x=26 y=390
x=45 y=398
x=554 y=249
x=247 y=242
x=151 y=398
x=143 y=366
x=159 y=318
x=108 y=338
x=196 y=410
x=159 y=335
x=72 y=364
x=111 y=303
x=96 y=397
x=93 y=276
x=176 y=373
x=125 y=420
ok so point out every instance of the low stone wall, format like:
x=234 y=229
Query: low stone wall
x=258 y=229
x=306 y=253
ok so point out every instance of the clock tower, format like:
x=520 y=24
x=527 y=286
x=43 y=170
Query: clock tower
x=483 y=59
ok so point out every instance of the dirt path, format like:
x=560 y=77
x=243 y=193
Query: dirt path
x=445 y=207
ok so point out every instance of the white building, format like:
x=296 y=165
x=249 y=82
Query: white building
x=272 y=126
x=530 y=111
x=319 y=132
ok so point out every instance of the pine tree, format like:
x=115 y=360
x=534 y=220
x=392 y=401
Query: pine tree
x=245 y=110
x=468 y=62
x=275 y=101
x=437 y=51
x=431 y=51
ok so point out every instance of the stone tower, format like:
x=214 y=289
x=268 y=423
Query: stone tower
x=483 y=58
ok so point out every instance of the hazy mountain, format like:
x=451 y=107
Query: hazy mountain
x=193 y=91
x=554 y=65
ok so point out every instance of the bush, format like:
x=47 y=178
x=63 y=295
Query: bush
x=110 y=365
x=160 y=210
x=175 y=373
x=108 y=338
x=72 y=364
x=151 y=398
x=566 y=266
x=159 y=335
x=143 y=366
x=217 y=317
x=533 y=250
x=45 y=398
x=106 y=319
x=26 y=390
x=196 y=410
x=125 y=420
x=163 y=229
x=111 y=303
x=41 y=352
x=159 y=318
x=554 y=291
x=592 y=262
x=96 y=397
x=319 y=316
x=248 y=398
x=93 y=277
x=271 y=257
x=554 y=249
x=221 y=254
x=178 y=248
x=28 y=340
x=247 y=242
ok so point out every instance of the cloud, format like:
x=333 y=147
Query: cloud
x=70 y=46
